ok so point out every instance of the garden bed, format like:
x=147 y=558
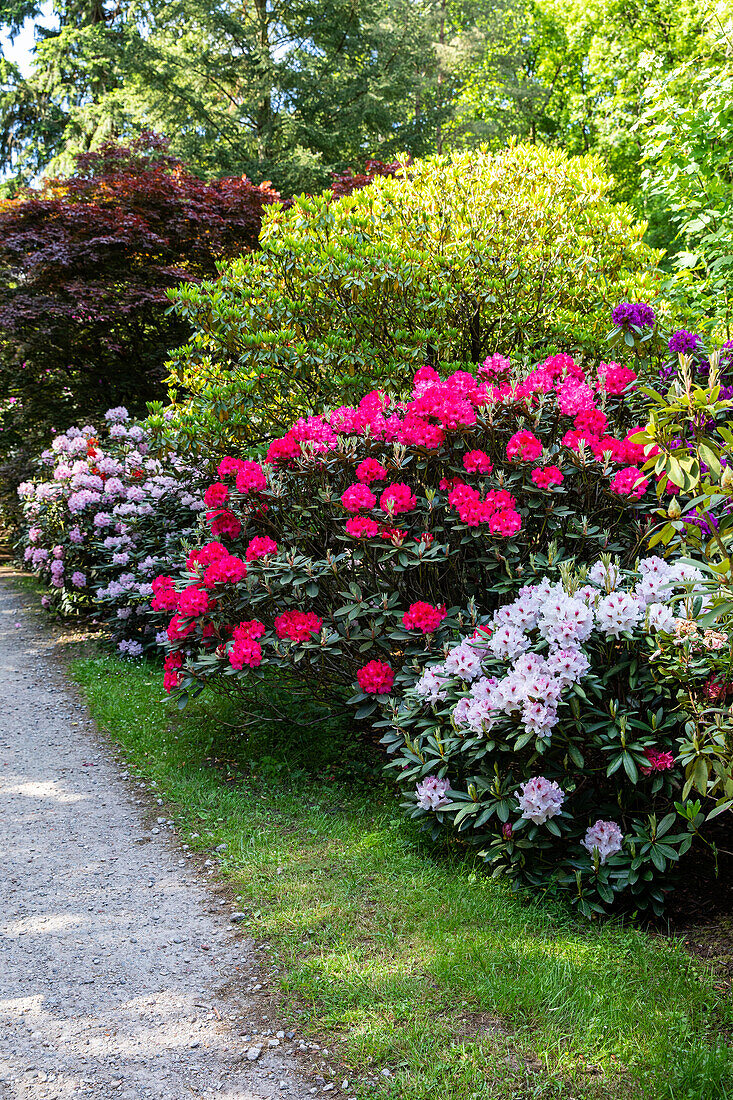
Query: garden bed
x=420 y=975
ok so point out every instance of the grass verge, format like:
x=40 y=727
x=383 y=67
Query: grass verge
x=404 y=959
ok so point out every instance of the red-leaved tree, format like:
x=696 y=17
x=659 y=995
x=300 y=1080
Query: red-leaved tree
x=85 y=263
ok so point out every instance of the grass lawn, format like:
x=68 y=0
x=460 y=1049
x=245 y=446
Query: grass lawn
x=400 y=957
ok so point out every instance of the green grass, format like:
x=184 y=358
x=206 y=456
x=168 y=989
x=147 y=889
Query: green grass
x=402 y=957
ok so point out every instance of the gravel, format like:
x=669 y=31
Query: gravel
x=115 y=979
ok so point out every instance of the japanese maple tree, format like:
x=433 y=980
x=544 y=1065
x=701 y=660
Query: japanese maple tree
x=85 y=263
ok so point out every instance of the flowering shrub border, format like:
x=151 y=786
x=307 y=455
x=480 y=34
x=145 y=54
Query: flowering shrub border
x=551 y=739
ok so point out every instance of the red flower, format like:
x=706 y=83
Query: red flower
x=193 y=602
x=357 y=497
x=205 y=555
x=177 y=631
x=259 y=547
x=225 y=570
x=224 y=523
x=370 y=470
x=250 y=477
x=591 y=422
x=216 y=495
x=245 y=651
x=375 y=678
x=423 y=616
x=284 y=449
x=613 y=378
x=525 y=446
x=229 y=466
x=397 y=498
x=505 y=522
x=252 y=628
x=477 y=462
x=629 y=482
x=658 y=761
x=545 y=477
x=361 y=527
x=297 y=625
x=165 y=596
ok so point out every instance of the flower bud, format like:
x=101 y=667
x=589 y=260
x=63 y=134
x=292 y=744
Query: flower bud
x=726 y=480
x=674 y=511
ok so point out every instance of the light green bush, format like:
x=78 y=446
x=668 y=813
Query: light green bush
x=462 y=256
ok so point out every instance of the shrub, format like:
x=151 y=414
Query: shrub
x=371 y=533
x=457 y=258
x=107 y=520
x=552 y=737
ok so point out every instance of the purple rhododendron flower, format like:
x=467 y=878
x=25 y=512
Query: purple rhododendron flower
x=683 y=342
x=638 y=314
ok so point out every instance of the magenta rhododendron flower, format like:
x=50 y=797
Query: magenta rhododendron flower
x=284 y=450
x=397 y=498
x=375 y=678
x=229 y=466
x=260 y=547
x=362 y=527
x=477 y=462
x=297 y=626
x=224 y=523
x=250 y=477
x=658 y=761
x=246 y=650
x=524 y=446
x=166 y=596
x=545 y=477
x=358 y=498
x=226 y=569
x=216 y=495
x=614 y=378
x=370 y=470
x=193 y=601
x=423 y=616
x=629 y=482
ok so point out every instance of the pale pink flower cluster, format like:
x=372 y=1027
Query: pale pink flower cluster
x=531 y=689
x=540 y=799
x=432 y=793
x=603 y=837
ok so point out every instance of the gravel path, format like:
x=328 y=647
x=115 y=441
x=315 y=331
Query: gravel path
x=115 y=978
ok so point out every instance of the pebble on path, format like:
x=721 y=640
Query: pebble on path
x=105 y=990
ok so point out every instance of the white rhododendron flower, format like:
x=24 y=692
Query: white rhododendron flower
x=604 y=837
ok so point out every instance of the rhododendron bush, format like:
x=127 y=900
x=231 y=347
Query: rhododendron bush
x=554 y=736
x=344 y=296
x=371 y=532
x=102 y=519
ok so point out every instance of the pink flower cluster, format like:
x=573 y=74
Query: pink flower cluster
x=297 y=626
x=540 y=799
x=432 y=793
x=604 y=838
x=424 y=617
x=375 y=678
x=246 y=650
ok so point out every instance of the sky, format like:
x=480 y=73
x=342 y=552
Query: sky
x=19 y=51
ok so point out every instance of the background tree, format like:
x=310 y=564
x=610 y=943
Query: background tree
x=288 y=90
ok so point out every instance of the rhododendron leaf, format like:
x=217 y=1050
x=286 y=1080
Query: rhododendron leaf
x=720 y=808
x=576 y=755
